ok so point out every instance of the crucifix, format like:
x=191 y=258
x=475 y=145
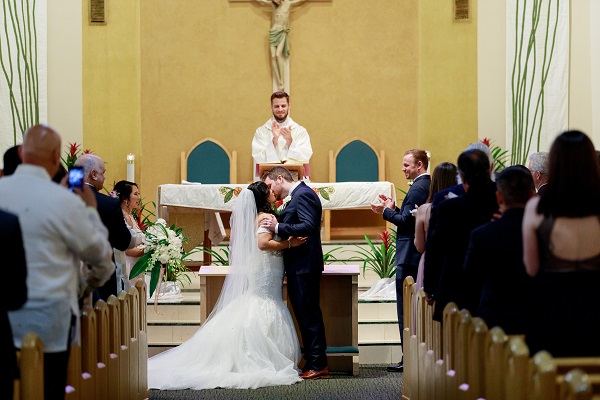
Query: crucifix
x=279 y=41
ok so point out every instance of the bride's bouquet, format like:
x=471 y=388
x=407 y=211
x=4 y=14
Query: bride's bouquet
x=163 y=255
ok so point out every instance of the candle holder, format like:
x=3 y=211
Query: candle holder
x=130 y=167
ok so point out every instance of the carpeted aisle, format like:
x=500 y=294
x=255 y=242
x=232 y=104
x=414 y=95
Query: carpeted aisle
x=374 y=382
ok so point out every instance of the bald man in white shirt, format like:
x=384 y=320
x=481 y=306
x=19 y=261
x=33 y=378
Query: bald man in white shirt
x=60 y=228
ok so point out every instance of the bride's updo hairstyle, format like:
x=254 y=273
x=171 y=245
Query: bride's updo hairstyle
x=261 y=193
x=123 y=190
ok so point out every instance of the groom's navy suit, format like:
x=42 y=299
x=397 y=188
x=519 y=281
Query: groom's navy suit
x=303 y=266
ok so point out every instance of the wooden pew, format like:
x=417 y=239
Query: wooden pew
x=89 y=353
x=477 y=363
x=547 y=384
x=421 y=333
x=142 y=289
x=81 y=383
x=134 y=343
x=517 y=370
x=409 y=342
x=495 y=352
x=105 y=355
x=116 y=346
x=477 y=339
x=110 y=363
x=30 y=358
x=433 y=345
x=449 y=382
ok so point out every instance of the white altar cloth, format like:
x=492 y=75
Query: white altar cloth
x=221 y=197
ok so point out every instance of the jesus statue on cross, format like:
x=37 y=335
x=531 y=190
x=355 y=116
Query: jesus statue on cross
x=279 y=37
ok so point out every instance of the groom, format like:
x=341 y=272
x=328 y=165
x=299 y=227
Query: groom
x=301 y=216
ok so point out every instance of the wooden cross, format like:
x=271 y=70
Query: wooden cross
x=279 y=41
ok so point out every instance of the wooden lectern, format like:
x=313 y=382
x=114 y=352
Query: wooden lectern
x=292 y=167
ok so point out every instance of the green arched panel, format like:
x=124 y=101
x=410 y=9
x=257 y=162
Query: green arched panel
x=208 y=163
x=356 y=162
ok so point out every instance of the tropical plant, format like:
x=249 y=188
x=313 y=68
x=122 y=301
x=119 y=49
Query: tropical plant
x=328 y=257
x=500 y=156
x=379 y=258
x=144 y=216
x=220 y=257
x=73 y=152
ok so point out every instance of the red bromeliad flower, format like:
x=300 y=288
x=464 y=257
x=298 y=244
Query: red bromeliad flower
x=73 y=149
x=385 y=238
x=486 y=141
x=73 y=152
x=141 y=224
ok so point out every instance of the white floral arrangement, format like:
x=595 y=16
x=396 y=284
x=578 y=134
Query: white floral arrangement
x=163 y=255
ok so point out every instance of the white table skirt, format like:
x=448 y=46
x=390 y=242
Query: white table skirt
x=333 y=196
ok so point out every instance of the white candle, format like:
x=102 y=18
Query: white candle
x=131 y=167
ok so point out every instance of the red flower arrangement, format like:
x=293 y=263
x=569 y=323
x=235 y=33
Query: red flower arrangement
x=74 y=151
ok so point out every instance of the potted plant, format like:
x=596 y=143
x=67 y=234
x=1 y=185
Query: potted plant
x=380 y=259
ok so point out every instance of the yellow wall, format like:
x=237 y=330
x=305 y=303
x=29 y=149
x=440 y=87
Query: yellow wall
x=164 y=74
x=111 y=88
x=447 y=80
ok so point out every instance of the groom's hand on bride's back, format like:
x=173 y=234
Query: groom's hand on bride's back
x=269 y=221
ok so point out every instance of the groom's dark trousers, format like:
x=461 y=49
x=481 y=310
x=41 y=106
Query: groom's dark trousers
x=303 y=267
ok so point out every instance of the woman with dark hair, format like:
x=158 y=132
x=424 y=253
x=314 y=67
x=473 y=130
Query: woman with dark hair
x=443 y=177
x=128 y=194
x=561 y=248
x=249 y=340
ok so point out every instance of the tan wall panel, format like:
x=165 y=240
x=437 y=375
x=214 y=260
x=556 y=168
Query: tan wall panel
x=448 y=80
x=111 y=89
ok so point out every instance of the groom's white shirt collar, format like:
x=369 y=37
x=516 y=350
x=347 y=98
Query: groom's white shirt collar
x=294 y=187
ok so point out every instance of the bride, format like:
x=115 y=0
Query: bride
x=249 y=340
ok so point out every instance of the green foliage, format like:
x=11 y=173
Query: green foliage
x=220 y=257
x=499 y=155
x=328 y=257
x=379 y=258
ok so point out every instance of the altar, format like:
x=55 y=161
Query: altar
x=339 y=304
x=198 y=199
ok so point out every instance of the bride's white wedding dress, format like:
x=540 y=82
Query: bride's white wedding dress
x=249 y=340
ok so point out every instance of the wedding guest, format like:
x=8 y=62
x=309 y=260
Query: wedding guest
x=495 y=257
x=451 y=224
x=128 y=194
x=458 y=189
x=11 y=160
x=444 y=176
x=61 y=228
x=537 y=163
x=415 y=164
x=561 y=246
x=12 y=297
x=94 y=175
x=60 y=174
